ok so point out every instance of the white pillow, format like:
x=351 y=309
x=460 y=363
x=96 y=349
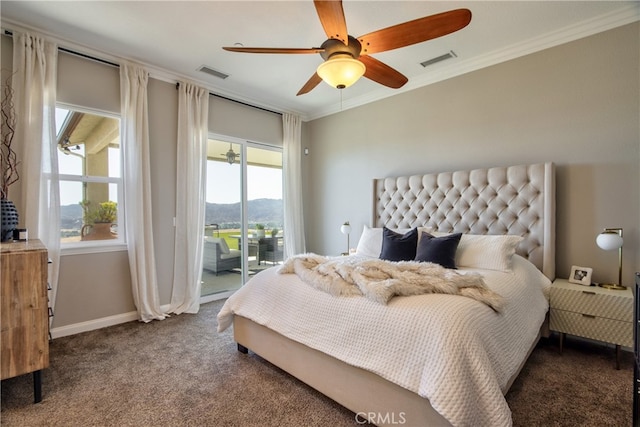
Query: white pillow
x=488 y=252
x=370 y=243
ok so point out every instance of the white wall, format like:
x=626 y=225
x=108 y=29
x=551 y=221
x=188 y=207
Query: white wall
x=576 y=105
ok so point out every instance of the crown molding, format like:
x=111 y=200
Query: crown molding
x=459 y=66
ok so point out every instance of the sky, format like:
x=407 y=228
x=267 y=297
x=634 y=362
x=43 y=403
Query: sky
x=223 y=183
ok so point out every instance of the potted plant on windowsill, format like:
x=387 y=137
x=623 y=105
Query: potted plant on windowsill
x=9 y=163
x=98 y=220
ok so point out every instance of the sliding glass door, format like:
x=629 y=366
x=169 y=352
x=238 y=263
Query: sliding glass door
x=244 y=213
x=264 y=207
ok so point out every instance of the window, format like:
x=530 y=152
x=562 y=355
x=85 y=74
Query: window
x=90 y=169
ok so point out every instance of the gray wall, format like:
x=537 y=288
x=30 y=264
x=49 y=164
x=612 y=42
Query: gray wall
x=95 y=286
x=576 y=105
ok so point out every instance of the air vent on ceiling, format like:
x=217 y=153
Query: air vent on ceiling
x=450 y=54
x=211 y=71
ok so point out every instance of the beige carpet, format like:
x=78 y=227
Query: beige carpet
x=180 y=372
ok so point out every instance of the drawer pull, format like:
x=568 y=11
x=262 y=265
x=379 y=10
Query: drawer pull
x=588 y=292
x=590 y=316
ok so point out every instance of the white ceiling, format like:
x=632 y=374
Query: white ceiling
x=175 y=38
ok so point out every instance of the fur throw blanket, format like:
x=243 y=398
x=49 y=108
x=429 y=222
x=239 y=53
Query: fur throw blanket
x=381 y=280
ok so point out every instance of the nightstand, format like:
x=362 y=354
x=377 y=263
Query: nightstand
x=592 y=312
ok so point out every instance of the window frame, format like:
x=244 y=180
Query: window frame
x=97 y=246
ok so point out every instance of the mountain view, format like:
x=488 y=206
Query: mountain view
x=264 y=211
x=261 y=211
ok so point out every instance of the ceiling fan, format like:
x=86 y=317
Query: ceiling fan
x=231 y=155
x=347 y=58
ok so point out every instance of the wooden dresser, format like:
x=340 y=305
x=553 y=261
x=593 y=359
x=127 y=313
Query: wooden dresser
x=24 y=311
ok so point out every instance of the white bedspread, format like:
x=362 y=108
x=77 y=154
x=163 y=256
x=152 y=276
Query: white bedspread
x=452 y=350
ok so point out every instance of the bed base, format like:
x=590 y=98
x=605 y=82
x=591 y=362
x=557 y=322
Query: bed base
x=360 y=391
x=366 y=394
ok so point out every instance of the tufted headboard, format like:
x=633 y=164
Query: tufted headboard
x=516 y=200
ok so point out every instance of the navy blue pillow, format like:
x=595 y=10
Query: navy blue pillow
x=439 y=250
x=399 y=247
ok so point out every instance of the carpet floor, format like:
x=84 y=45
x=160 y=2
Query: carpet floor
x=181 y=372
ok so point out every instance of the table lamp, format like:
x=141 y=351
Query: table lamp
x=346 y=229
x=610 y=239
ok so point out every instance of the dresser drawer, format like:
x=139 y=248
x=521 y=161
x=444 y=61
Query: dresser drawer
x=587 y=326
x=594 y=302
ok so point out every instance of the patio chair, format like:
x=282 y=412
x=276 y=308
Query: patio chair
x=271 y=249
x=218 y=257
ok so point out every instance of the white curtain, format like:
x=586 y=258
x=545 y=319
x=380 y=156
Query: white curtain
x=193 y=112
x=134 y=136
x=294 y=242
x=34 y=82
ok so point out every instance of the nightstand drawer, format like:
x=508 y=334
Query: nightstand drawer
x=597 y=328
x=594 y=302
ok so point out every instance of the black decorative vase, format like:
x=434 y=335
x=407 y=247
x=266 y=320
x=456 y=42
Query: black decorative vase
x=9 y=219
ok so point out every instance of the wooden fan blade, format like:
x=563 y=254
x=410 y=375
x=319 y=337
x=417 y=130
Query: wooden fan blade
x=310 y=84
x=274 y=50
x=332 y=19
x=416 y=31
x=382 y=73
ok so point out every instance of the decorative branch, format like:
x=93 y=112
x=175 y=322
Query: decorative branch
x=8 y=157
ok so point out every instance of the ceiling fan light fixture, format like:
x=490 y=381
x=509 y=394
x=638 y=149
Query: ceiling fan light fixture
x=341 y=71
x=231 y=155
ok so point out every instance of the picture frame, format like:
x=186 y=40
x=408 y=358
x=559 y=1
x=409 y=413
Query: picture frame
x=580 y=275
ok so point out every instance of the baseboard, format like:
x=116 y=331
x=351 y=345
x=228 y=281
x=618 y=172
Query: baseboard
x=92 y=325
x=215 y=297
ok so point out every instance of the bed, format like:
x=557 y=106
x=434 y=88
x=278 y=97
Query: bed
x=287 y=327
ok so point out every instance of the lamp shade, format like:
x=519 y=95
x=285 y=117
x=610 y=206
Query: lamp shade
x=341 y=71
x=609 y=240
x=345 y=228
